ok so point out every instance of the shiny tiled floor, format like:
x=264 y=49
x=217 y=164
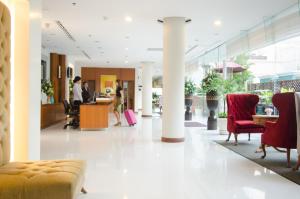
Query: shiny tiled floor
x=132 y=163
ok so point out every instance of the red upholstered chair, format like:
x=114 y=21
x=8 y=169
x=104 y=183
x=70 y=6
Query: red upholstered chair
x=240 y=108
x=283 y=133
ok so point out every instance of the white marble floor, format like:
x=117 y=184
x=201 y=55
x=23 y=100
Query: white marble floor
x=132 y=163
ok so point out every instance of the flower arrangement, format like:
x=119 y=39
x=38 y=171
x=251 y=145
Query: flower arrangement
x=189 y=88
x=47 y=88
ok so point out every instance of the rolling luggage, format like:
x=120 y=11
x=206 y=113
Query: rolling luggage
x=130 y=117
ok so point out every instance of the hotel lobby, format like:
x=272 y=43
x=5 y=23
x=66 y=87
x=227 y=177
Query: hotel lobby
x=128 y=99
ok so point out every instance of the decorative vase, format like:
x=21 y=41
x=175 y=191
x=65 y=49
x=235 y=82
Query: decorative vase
x=48 y=99
x=52 y=100
x=212 y=104
x=188 y=101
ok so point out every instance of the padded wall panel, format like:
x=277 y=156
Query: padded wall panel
x=5 y=31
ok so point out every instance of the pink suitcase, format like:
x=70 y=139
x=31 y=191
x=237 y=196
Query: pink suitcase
x=130 y=117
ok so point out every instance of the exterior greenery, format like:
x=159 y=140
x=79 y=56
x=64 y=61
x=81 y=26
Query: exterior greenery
x=47 y=88
x=222 y=115
x=189 y=88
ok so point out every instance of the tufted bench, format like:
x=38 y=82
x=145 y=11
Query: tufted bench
x=61 y=179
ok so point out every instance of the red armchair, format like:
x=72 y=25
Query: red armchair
x=283 y=133
x=240 y=108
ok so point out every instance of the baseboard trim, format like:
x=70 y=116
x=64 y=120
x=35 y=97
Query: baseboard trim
x=172 y=140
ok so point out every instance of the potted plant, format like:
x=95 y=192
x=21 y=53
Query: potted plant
x=48 y=89
x=212 y=85
x=189 y=91
x=222 y=122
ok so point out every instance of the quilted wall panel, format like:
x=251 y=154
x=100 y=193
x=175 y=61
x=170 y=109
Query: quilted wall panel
x=5 y=32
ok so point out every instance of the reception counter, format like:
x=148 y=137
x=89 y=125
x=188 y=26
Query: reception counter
x=95 y=116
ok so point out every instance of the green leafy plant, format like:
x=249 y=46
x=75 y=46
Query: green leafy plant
x=266 y=97
x=222 y=115
x=286 y=90
x=71 y=85
x=213 y=82
x=47 y=88
x=189 y=88
x=155 y=98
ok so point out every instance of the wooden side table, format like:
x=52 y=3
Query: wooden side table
x=262 y=119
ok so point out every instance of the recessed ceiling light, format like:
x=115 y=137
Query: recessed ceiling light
x=126 y=62
x=126 y=48
x=128 y=19
x=218 y=23
x=74 y=3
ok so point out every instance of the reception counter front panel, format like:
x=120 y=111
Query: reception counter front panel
x=94 y=116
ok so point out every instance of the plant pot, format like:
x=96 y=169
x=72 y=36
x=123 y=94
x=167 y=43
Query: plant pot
x=222 y=126
x=212 y=104
x=188 y=101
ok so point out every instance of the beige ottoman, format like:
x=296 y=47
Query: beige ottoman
x=62 y=179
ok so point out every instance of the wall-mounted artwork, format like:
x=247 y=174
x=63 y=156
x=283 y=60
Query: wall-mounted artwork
x=108 y=82
x=44 y=69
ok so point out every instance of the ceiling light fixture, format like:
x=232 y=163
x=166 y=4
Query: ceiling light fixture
x=126 y=62
x=74 y=3
x=128 y=19
x=127 y=49
x=218 y=23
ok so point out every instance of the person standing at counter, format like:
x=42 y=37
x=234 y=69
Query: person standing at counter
x=77 y=92
x=86 y=92
x=118 y=102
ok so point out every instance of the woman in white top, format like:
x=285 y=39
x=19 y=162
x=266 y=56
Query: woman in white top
x=77 y=92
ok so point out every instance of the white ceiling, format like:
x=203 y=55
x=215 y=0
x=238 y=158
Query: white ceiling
x=105 y=41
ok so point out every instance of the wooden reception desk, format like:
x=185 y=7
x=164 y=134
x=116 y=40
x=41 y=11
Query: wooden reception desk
x=95 y=116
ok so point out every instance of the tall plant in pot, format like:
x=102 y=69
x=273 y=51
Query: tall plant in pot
x=212 y=85
x=189 y=91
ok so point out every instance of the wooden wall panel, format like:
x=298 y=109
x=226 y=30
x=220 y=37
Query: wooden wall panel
x=92 y=73
x=59 y=85
x=54 y=61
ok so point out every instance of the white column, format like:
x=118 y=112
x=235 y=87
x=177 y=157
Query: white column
x=147 y=89
x=35 y=49
x=173 y=79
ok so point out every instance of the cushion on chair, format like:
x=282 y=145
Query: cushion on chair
x=246 y=124
x=41 y=180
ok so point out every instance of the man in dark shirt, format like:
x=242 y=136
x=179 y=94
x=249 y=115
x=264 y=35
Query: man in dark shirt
x=86 y=93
